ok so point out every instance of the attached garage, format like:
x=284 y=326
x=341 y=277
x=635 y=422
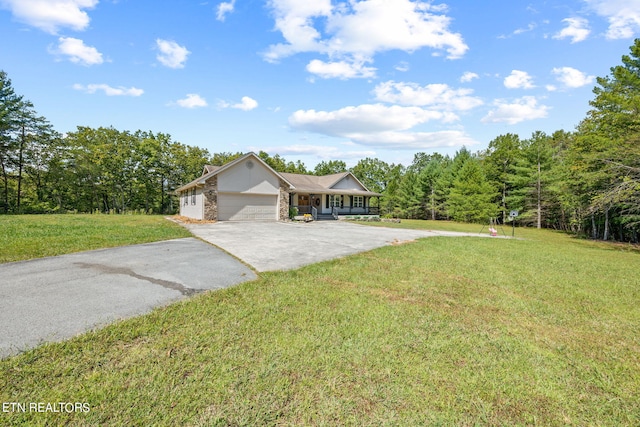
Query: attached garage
x=247 y=207
x=245 y=189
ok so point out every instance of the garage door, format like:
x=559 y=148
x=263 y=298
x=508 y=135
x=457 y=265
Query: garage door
x=247 y=207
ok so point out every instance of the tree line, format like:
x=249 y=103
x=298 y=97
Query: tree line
x=89 y=170
x=585 y=181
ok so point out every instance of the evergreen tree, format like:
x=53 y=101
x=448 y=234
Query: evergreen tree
x=499 y=162
x=531 y=179
x=9 y=107
x=471 y=198
x=390 y=203
x=410 y=196
x=431 y=171
x=22 y=135
x=445 y=181
x=606 y=151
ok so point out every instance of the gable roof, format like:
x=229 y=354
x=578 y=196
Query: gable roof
x=210 y=171
x=325 y=184
x=298 y=182
x=210 y=168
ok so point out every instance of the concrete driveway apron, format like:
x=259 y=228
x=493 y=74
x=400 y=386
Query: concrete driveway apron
x=51 y=299
x=269 y=246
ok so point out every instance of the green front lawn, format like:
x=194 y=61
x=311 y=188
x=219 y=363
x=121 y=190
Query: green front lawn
x=34 y=236
x=442 y=331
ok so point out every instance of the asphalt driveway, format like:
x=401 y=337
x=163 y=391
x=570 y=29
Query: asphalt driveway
x=269 y=246
x=52 y=299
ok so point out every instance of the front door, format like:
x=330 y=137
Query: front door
x=316 y=202
x=303 y=204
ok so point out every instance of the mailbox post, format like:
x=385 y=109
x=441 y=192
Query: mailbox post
x=513 y=215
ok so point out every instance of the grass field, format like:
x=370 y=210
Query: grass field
x=35 y=236
x=442 y=331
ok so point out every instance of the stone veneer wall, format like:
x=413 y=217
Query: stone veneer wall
x=284 y=201
x=210 y=192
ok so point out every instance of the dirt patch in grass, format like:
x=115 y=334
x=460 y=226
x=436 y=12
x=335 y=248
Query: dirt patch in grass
x=397 y=242
x=186 y=220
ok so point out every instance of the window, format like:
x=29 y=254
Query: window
x=334 y=201
x=185 y=197
x=358 y=201
x=193 y=196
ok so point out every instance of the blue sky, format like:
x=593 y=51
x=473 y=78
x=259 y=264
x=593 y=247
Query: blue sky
x=316 y=80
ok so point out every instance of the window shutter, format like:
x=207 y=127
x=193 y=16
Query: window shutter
x=342 y=201
x=351 y=201
x=328 y=201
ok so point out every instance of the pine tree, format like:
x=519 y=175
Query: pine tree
x=499 y=162
x=531 y=179
x=472 y=197
x=606 y=152
x=9 y=107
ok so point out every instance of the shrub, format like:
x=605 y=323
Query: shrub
x=293 y=212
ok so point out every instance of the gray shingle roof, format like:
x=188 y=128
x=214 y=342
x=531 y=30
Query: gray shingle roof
x=301 y=183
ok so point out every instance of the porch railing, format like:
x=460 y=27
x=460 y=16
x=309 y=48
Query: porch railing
x=314 y=213
x=303 y=209
x=371 y=210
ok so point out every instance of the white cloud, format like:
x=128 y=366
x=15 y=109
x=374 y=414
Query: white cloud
x=571 y=77
x=522 y=109
x=364 y=118
x=193 y=100
x=320 y=151
x=518 y=80
x=438 y=96
x=77 y=51
x=294 y=21
x=403 y=66
x=245 y=104
x=408 y=25
x=468 y=76
x=51 y=15
x=623 y=16
x=225 y=8
x=350 y=31
x=415 y=140
x=532 y=26
x=340 y=69
x=171 y=54
x=576 y=29
x=380 y=125
x=108 y=90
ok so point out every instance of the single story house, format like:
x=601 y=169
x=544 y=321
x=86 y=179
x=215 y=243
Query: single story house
x=248 y=189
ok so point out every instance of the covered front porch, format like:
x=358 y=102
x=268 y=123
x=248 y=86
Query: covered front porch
x=331 y=206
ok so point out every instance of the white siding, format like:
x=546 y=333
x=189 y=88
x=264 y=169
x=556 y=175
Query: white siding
x=249 y=176
x=324 y=208
x=187 y=206
x=348 y=183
